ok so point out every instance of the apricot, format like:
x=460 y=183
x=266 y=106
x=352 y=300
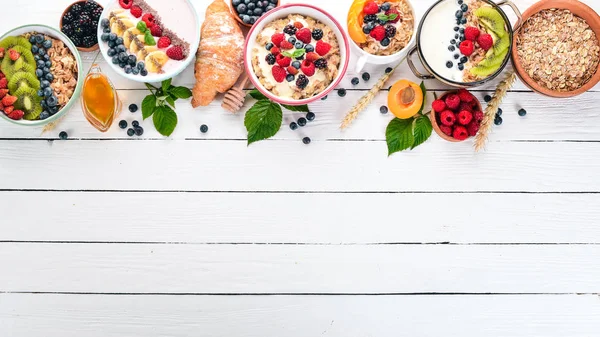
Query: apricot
x=355 y=21
x=405 y=99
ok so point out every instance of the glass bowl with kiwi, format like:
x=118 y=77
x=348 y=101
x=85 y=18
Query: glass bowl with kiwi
x=40 y=75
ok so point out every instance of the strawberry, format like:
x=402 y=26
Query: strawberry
x=308 y=68
x=485 y=41
x=465 y=96
x=438 y=105
x=13 y=54
x=136 y=11
x=446 y=130
x=378 y=33
x=16 y=115
x=126 y=4
x=371 y=7
x=156 y=31
x=277 y=39
x=8 y=100
x=460 y=133
x=322 y=48
x=175 y=53
x=473 y=128
x=1 y=52
x=298 y=25
x=1 y=107
x=148 y=19
x=465 y=117
x=275 y=51
x=3 y=93
x=447 y=118
x=292 y=70
x=393 y=11
x=283 y=61
x=2 y=75
x=163 y=42
x=304 y=35
x=285 y=45
x=471 y=33
x=312 y=56
x=452 y=102
x=8 y=109
x=466 y=47
x=278 y=73
x=3 y=83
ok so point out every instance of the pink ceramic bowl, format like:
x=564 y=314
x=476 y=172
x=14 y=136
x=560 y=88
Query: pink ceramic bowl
x=306 y=10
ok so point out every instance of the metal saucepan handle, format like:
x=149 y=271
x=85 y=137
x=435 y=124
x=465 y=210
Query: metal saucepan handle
x=516 y=10
x=413 y=68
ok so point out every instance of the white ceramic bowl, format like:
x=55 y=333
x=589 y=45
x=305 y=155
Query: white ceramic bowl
x=306 y=10
x=183 y=11
x=366 y=58
x=46 y=30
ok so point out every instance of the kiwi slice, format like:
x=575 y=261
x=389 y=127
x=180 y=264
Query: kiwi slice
x=494 y=60
x=483 y=71
x=12 y=41
x=501 y=44
x=23 y=79
x=10 y=67
x=492 y=19
x=26 y=54
x=29 y=102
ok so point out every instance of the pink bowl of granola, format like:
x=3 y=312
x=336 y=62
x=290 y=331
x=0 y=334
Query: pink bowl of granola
x=296 y=54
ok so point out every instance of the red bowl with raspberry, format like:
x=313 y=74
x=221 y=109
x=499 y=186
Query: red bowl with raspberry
x=456 y=115
x=296 y=54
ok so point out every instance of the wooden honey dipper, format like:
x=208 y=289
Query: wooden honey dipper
x=234 y=99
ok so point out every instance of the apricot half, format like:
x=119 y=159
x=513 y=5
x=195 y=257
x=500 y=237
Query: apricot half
x=405 y=99
x=355 y=21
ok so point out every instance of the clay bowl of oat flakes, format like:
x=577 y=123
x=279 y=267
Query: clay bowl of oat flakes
x=556 y=52
x=44 y=77
x=296 y=54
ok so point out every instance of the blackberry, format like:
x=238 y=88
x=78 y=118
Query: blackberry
x=370 y=18
x=68 y=30
x=89 y=41
x=290 y=30
x=302 y=81
x=390 y=31
x=317 y=34
x=84 y=20
x=270 y=58
x=321 y=64
x=78 y=32
x=68 y=18
x=76 y=9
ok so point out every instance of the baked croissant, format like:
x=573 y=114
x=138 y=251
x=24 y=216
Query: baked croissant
x=220 y=56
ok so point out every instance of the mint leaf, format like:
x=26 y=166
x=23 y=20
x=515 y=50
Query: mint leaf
x=399 y=135
x=171 y=101
x=263 y=120
x=149 y=39
x=165 y=85
x=422 y=130
x=257 y=95
x=141 y=26
x=385 y=17
x=295 y=54
x=148 y=106
x=181 y=92
x=298 y=108
x=165 y=120
x=392 y=17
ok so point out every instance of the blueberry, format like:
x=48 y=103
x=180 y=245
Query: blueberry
x=499 y=112
x=236 y=2
x=63 y=135
x=204 y=128
x=462 y=30
x=366 y=77
x=47 y=44
x=44 y=84
x=290 y=77
x=144 y=72
x=48 y=64
x=258 y=11
x=41 y=64
x=52 y=101
x=251 y=5
x=451 y=48
x=269 y=7
x=456 y=36
x=135 y=124
x=324 y=98
x=111 y=52
x=104 y=23
x=123 y=124
x=461 y=67
x=246 y=19
x=47 y=92
x=463 y=59
x=34 y=49
x=46 y=70
x=449 y=64
x=366 y=29
x=130 y=132
x=309 y=48
x=40 y=93
x=385 y=42
x=133 y=108
x=32 y=39
x=43 y=104
x=458 y=14
x=115 y=60
x=111 y=44
x=296 y=64
x=302 y=121
x=456 y=28
x=112 y=37
x=456 y=56
x=522 y=112
x=120 y=49
x=385 y=6
x=383 y=109
x=453 y=41
x=292 y=40
x=464 y=8
x=341 y=92
x=241 y=8
x=39 y=39
x=36 y=57
x=123 y=57
x=463 y=21
x=106 y=30
x=388 y=70
x=487 y=98
x=53 y=110
x=306 y=140
x=139 y=131
x=119 y=41
x=132 y=60
x=128 y=69
x=135 y=71
x=46 y=57
x=39 y=73
x=299 y=45
x=310 y=116
x=269 y=45
x=122 y=64
x=293 y=126
x=44 y=115
x=460 y=2
x=498 y=120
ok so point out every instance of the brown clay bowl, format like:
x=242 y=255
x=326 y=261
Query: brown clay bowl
x=436 y=127
x=237 y=17
x=82 y=49
x=576 y=7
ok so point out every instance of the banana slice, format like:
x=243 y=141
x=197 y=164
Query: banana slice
x=142 y=54
x=155 y=61
x=121 y=25
x=137 y=44
x=116 y=14
x=129 y=35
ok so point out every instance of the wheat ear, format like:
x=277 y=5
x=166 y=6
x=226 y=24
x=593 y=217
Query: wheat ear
x=492 y=108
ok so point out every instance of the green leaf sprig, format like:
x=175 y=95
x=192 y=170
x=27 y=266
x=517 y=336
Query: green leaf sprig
x=404 y=134
x=385 y=17
x=161 y=104
x=264 y=118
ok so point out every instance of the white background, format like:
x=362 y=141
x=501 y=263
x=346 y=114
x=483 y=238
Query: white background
x=199 y=235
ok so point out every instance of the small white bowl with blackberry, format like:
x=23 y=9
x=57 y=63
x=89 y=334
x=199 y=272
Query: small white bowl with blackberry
x=247 y=12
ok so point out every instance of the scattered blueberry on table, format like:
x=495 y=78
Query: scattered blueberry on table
x=130 y=132
x=310 y=116
x=355 y=81
x=383 y=109
x=487 y=98
x=306 y=140
x=63 y=135
x=522 y=112
x=293 y=126
x=133 y=108
x=366 y=77
x=341 y=92
x=302 y=121
x=123 y=124
x=204 y=128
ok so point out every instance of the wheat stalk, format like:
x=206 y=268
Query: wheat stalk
x=364 y=101
x=490 y=112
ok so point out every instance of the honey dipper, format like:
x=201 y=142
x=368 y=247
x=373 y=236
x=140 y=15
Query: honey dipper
x=234 y=99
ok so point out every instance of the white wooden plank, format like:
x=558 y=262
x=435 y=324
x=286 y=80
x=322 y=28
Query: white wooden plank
x=301 y=218
x=160 y=268
x=292 y=166
x=337 y=316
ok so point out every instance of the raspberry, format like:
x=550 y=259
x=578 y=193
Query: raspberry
x=16 y=115
x=126 y=3
x=452 y=102
x=286 y=45
x=3 y=83
x=371 y=7
x=446 y=130
x=283 y=61
x=277 y=39
x=447 y=118
x=148 y=19
x=308 y=68
x=466 y=47
x=8 y=109
x=175 y=53
x=393 y=11
x=136 y=11
x=485 y=41
x=438 y=105
x=465 y=106
x=1 y=107
x=302 y=81
x=292 y=70
x=304 y=35
x=478 y=116
x=322 y=48
x=465 y=117
x=378 y=33
x=312 y=56
x=270 y=58
x=278 y=73
x=163 y=42
x=471 y=33
x=13 y=54
x=465 y=96
x=8 y=100
x=290 y=30
x=3 y=93
x=156 y=31
x=321 y=63
x=460 y=133
x=298 y=25
x=275 y=51
x=473 y=128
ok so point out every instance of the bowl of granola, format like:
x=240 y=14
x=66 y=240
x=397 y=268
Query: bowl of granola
x=556 y=52
x=296 y=54
x=464 y=43
x=382 y=31
x=40 y=75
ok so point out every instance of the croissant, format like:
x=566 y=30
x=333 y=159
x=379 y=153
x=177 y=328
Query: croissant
x=220 y=56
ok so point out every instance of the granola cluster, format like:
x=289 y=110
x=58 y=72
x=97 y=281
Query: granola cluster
x=64 y=69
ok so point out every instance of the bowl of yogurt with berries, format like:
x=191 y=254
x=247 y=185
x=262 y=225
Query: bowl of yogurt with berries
x=296 y=54
x=464 y=43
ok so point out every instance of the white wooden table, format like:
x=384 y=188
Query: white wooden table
x=104 y=235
